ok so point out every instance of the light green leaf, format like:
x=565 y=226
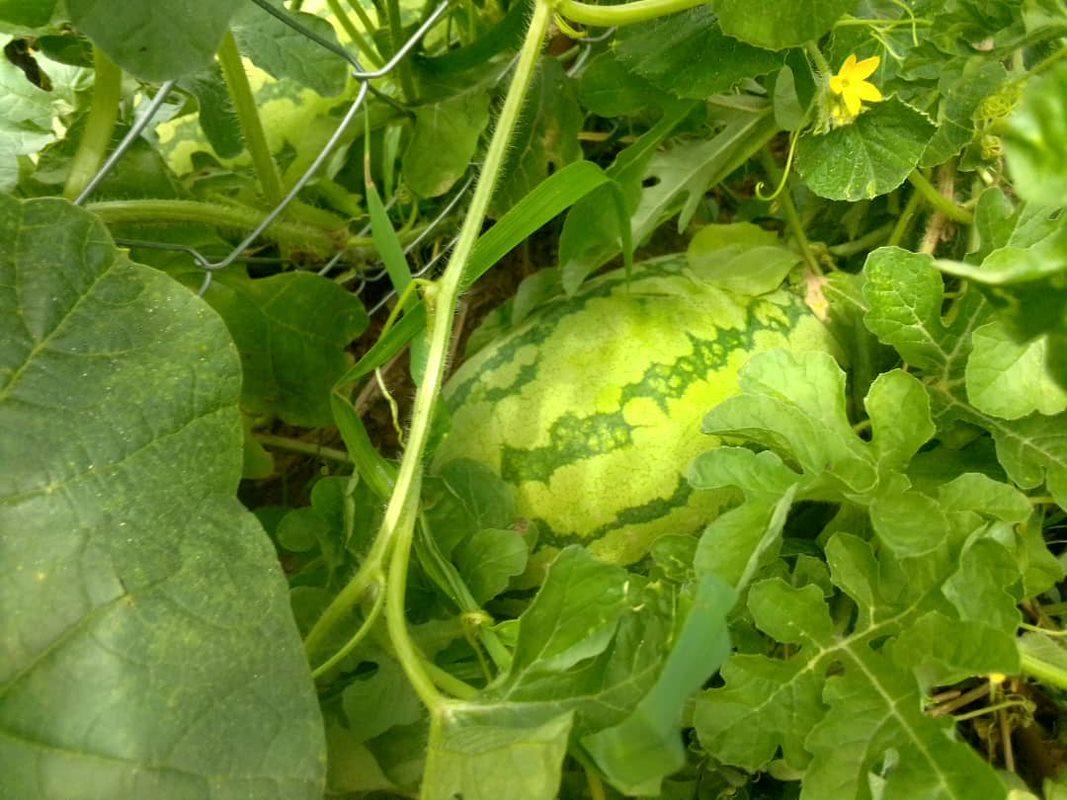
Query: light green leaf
x=443 y=141
x=486 y=754
x=1033 y=141
x=794 y=403
x=291 y=330
x=374 y=705
x=351 y=766
x=779 y=24
x=868 y=721
x=869 y=157
x=148 y=644
x=284 y=52
x=899 y=410
x=26 y=13
x=740 y=257
x=489 y=559
x=25 y=121
x=687 y=55
x=1008 y=379
x=155 y=41
x=638 y=753
x=573 y=616
x=952 y=650
x=904 y=294
x=909 y=523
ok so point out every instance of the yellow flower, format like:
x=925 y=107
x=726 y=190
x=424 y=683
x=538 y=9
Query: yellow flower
x=851 y=86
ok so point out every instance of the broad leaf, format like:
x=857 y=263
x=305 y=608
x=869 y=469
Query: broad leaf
x=155 y=41
x=687 y=55
x=26 y=13
x=443 y=142
x=148 y=645
x=487 y=753
x=868 y=157
x=646 y=747
x=284 y=52
x=291 y=331
x=1008 y=379
x=778 y=24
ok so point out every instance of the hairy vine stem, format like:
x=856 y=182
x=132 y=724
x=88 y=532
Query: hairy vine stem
x=225 y=216
x=624 y=14
x=96 y=136
x=244 y=104
x=394 y=539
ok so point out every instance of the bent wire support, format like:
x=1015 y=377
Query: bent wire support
x=363 y=76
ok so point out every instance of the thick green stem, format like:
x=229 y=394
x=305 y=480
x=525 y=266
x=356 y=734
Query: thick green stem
x=225 y=217
x=100 y=125
x=945 y=205
x=1043 y=671
x=244 y=104
x=370 y=55
x=396 y=36
x=625 y=14
x=413 y=662
x=398 y=521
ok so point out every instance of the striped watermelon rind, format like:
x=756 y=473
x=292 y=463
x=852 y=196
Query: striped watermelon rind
x=591 y=408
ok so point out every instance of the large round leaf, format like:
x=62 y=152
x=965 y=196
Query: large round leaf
x=147 y=649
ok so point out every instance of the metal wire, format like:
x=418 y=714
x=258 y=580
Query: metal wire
x=364 y=77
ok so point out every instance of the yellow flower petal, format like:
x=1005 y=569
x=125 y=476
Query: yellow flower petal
x=865 y=68
x=849 y=64
x=867 y=91
x=852 y=103
x=837 y=84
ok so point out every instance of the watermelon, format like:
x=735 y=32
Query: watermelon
x=591 y=408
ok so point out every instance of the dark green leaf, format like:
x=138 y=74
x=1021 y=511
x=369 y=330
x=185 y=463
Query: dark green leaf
x=608 y=89
x=155 y=41
x=443 y=141
x=148 y=645
x=291 y=330
x=868 y=157
x=778 y=24
x=687 y=55
x=284 y=52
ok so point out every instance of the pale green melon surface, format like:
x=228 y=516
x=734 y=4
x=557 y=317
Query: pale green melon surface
x=592 y=408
